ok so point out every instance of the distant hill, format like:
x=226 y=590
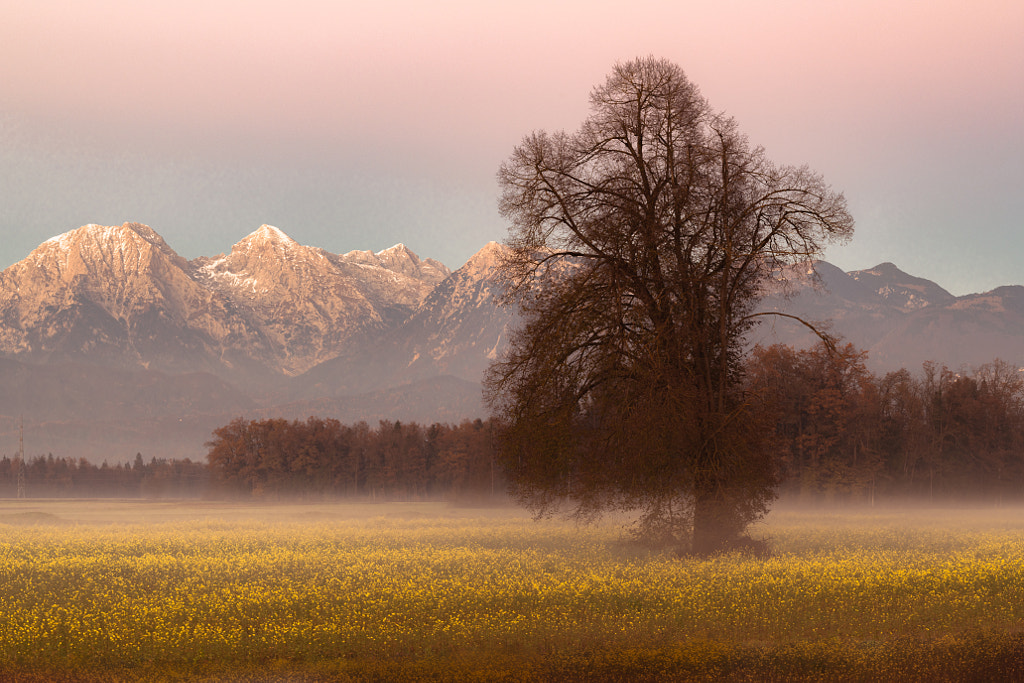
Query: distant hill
x=901 y=320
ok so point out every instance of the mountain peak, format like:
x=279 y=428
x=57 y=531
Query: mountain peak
x=258 y=249
x=108 y=233
x=400 y=259
x=85 y=248
x=901 y=289
x=884 y=269
x=267 y=234
x=484 y=261
x=88 y=290
x=270 y=232
x=399 y=248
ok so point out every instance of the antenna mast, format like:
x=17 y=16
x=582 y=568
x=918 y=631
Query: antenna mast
x=20 y=461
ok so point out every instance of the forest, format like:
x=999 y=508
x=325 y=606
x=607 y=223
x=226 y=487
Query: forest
x=319 y=457
x=839 y=433
x=46 y=476
x=275 y=458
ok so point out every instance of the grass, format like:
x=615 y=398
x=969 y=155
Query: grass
x=200 y=591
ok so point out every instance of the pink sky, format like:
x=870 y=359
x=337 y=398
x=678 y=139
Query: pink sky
x=356 y=126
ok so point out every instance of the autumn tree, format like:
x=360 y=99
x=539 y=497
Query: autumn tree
x=639 y=245
x=974 y=426
x=465 y=462
x=322 y=457
x=827 y=414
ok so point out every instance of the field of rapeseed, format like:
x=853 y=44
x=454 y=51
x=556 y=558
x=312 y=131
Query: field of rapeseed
x=135 y=591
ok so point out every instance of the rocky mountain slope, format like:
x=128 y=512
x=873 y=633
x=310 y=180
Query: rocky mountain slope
x=112 y=344
x=108 y=325
x=310 y=303
x=457 y=330
x=901 y=320
x=120 y=296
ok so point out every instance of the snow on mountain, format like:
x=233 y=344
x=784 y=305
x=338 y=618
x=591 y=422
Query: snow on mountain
x=394 y=279
x=964 y=331
x=107 y=260
x=111 y=320
x=828 y=298
x=400 y=259
x=262 y=264
x=306 y=306
x=901 y=320
x=460 y=327
x=456 y=331
x=899 y=289
x=117 y=294
x=121 y=295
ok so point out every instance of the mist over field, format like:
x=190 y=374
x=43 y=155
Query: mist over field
x=511 y=341
x=130 y=590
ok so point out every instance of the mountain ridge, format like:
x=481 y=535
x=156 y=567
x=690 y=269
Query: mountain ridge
x=111 y=343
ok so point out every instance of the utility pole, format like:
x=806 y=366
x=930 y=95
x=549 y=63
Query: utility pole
x=19 y=463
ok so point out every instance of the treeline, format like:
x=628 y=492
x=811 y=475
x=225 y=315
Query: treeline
x=839 y=431
x=50 y=477
x=322 y=457
x=844 y=432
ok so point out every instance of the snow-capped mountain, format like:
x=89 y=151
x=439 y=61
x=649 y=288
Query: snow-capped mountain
x=121 y=296
x=460 y=327
x=457 y=330
x=111 y=321
x=118 y=296
x=111 y=343
x=395 y=279
x=292 y=293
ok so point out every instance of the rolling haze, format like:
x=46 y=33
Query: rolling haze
x=353 y=126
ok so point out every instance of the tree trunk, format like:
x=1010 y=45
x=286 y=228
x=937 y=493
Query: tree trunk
x=714 y=523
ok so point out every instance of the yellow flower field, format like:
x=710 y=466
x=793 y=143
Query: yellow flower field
x=136 y=591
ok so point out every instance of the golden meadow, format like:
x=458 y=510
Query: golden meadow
x=201 y=591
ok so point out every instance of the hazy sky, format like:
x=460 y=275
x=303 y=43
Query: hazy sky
x=359 y=125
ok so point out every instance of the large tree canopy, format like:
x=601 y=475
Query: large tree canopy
x=639 y=247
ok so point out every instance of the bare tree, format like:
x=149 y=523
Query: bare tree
x=639 y=245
